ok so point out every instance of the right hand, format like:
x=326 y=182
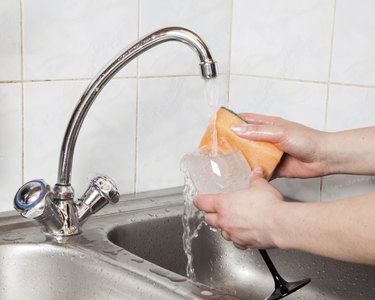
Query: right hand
x=245 y=217
x=303 y=146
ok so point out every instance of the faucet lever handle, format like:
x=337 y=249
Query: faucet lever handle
x=101 y=191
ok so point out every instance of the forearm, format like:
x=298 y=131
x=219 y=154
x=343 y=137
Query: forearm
x=341 y=229
x=350 y=152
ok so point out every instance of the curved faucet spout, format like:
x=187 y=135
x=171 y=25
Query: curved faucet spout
x=63 y=190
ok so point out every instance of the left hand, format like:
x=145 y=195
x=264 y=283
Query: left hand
x=244 y=216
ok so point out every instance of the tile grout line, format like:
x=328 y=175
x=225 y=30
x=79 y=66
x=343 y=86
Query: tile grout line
x=197 y=75
x=137 y=107
x=352 y=85
x=22 y=98
x=280 y=78
x=330 y=63
x=328 y=85
x=89 y=79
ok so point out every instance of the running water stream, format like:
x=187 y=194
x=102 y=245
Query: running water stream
x=206 y=173
x=192 y=219
x=211 y=96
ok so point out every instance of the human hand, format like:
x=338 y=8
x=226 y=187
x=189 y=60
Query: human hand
x=244 y=216
x=303 y=146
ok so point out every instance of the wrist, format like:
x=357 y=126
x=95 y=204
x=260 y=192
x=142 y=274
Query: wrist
x=277 y=226
x=341 y=152
x=328 y=153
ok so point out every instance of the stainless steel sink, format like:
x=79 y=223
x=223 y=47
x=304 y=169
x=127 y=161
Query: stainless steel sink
x=76 y=268
x=158 y=239
x=45 y=271
x=133 y=250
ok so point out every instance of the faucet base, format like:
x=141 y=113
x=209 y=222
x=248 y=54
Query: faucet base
x=69 y=213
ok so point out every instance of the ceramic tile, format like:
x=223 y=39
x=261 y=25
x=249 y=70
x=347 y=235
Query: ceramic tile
x=299 y=102
x=172 y=118
x=210 y=19
x=106 y=143
x=10 y=40
x=76 y=39
x=10 y=143
x=353 y=55
x=288 y=38
x=337 y=187
x=350 y=107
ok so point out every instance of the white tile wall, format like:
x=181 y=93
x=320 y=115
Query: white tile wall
x=350 y=107
x=10 y=40
x=70 y=39
x=353 y=58
x=65 y=42
x=300 y=102
x=210 y=19
x=288 y=38
x=10 y=143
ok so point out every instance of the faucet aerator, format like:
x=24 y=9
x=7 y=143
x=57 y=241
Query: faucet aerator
x=208 y=69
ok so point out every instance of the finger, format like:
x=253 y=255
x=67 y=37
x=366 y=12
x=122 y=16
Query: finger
x=238 y=246
x=256 y=132
x=258 y=173
x=225 y=235
x=260 y=119
x=207 y=203
x=212 y=219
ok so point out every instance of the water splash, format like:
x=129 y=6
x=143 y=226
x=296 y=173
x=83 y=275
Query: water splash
x=192 y=221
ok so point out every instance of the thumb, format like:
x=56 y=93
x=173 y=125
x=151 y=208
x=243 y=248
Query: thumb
x=258 y=173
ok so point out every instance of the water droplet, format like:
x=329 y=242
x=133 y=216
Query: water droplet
x=206 y=293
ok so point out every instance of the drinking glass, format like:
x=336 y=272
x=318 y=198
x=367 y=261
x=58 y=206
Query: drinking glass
x=213 y=174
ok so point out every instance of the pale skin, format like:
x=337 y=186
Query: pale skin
x=259 y=217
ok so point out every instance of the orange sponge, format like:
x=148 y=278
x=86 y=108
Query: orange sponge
x=257 y=153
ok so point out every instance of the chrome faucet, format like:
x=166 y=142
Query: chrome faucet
x=56 y=209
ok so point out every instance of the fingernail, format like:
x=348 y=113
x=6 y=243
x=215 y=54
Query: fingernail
x=258 y=170
x=239 y=128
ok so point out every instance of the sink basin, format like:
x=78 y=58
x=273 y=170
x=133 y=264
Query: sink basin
x=157 y=238
x=42 y=271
